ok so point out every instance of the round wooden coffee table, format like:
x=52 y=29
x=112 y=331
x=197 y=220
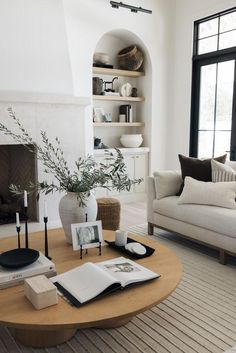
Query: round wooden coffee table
x=57 y=324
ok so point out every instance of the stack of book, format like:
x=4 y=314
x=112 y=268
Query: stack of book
x=12 y=277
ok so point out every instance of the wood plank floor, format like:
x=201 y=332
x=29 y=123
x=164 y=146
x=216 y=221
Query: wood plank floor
x=133 y=214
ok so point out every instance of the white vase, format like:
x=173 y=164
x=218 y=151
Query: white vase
x=71 y=212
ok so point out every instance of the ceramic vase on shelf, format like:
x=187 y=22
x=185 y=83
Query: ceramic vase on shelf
x=71 y=212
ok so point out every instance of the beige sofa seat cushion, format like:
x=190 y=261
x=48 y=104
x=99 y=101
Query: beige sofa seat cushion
x=218 y=219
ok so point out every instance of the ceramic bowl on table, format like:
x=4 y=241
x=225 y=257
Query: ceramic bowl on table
x=131 y=141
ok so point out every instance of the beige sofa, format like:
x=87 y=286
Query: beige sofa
x=209 y=225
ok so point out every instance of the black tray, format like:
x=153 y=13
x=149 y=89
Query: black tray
x=17 y=258
x=122 y=249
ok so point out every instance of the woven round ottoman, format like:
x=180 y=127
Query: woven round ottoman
x=109 y=213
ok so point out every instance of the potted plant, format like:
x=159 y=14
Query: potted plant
x=79 y=184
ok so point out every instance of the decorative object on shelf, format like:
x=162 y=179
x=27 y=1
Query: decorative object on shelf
x=108 y=117
x=100 y=58
x=126 y=109
x=97 y=85
x=105 y=66
x=130 y=58
x=79 y=183
x=134 y=92
x=122 y=118
x=111 y=83
x=126 y=90
x=131 y=141
x=98 y=115
x=97 y=142
x=135 y=9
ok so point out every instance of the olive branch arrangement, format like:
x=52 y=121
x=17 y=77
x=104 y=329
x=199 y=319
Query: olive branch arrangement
x=87 y=175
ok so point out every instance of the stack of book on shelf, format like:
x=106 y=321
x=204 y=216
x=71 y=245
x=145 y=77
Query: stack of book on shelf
x=11 y=277
x=94 y=280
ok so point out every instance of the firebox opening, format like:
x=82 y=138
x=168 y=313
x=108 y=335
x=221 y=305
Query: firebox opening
x=17 y=166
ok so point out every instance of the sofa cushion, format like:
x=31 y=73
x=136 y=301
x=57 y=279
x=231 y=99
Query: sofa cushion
x=220 y=220
x=222 y=172
x=199 y=169
x=207 y=193
x=167 y=183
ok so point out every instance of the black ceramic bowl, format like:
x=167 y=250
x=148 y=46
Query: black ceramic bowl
x=17 y=258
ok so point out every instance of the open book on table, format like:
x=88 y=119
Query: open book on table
x=93 y=280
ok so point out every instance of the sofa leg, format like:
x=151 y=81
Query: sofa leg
x=150 y=228
x=223 y=257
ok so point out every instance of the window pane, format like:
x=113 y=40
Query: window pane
x=222 y=142
x=228 y=22
x=207 y=97
x=207 y=45
x=224 y=95
x=208 y=28
x=227 y=40
x=205 y=144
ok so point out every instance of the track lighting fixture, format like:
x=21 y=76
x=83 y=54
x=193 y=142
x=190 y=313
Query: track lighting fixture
x=117 y=5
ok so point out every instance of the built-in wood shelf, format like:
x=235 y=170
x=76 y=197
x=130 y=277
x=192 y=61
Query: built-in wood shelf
x=118 y=98
x=118 y=124
x=117 y=72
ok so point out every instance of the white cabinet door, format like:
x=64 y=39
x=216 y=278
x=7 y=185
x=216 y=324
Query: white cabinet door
x=129 y=162
x=140 y=171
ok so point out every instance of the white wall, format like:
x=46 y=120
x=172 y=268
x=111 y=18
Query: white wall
x=187 y=11
x=33 y=46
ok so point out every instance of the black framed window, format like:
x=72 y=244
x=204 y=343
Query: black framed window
x=213 y=110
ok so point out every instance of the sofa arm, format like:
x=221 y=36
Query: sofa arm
x=167 y=183
x=151 y=196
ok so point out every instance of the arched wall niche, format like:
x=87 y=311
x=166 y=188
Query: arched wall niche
x=111 y=43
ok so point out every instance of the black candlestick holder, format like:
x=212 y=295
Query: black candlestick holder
x=26 y=228
x=18 y=236
x=46 y=237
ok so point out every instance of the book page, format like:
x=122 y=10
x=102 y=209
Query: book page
x=127 y=271
x=85 y=282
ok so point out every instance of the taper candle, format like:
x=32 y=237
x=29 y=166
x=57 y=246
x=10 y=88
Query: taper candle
x=25 y=199
x=17 y=219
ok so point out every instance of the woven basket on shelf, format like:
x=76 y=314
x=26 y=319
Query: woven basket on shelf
x=109 y=213
x=130 y=58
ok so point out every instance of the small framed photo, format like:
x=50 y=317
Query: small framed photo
x=88 y=234
x=98 y=115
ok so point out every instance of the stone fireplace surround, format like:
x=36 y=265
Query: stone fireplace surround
x=67 y=117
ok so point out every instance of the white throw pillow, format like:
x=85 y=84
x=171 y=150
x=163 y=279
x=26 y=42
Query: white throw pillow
x=221 y=194
x=222 y=172
x=167 y=183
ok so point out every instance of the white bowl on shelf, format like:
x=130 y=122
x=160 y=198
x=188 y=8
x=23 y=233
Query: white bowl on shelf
x=101 y=58
x=131 y=141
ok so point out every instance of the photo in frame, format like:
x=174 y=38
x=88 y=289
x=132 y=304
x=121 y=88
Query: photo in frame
x=88 y=234
x=98 y=115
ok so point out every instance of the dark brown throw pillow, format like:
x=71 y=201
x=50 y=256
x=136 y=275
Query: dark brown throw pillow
x=199 y=169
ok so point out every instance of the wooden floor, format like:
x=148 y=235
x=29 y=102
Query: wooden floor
x=133 y=214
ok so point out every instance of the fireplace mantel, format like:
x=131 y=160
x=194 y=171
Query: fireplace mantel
x=43 y=98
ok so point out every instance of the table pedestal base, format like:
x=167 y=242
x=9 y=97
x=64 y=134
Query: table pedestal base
x=40 y=339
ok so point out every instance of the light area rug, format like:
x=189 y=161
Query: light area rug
x=199 y=317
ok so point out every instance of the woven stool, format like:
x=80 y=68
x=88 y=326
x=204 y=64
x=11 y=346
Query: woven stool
x=109 y=213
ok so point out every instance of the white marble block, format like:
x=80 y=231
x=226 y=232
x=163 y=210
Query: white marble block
x=40 y=291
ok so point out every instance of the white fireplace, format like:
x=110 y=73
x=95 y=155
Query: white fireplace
x=67 y=117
